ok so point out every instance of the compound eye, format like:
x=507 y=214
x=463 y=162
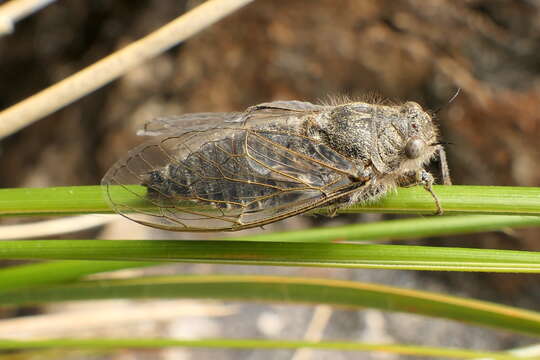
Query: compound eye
x=414 y=148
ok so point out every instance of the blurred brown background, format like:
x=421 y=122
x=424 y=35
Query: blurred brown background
x=402 y=50
x=421 y=50
x=306 y=50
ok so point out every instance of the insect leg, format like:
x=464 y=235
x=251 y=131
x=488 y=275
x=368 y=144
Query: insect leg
x=445 y=172
x=426 y=179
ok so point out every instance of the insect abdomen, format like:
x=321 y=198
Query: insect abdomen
x=219 y=173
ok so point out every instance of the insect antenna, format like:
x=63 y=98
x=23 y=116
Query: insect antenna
x=441 y=143
x=449 y=101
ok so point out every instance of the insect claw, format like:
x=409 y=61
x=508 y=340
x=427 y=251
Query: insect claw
x=440 y=210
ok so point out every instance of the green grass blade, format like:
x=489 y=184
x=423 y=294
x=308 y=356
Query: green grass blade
x=52 y=201
x=290 y=290
x=278 y=253
x=251 y=344
x=460 y=199
x=54 y=272
x=402 y=228
x=21 y=276
x=454 y=199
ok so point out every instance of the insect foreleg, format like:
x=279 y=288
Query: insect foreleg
x=445 y=172
x=426 y=179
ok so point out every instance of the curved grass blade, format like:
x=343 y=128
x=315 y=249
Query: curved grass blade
x=291 y=290
x=134 y=343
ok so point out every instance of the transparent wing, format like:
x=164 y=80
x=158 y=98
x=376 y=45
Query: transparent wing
x=183 y=123
x=290 y=105
x=226 y=179
x=200 y=121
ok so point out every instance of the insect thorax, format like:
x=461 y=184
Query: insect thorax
x=376 y=134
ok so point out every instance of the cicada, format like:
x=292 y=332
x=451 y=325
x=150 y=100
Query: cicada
x=234 y=171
